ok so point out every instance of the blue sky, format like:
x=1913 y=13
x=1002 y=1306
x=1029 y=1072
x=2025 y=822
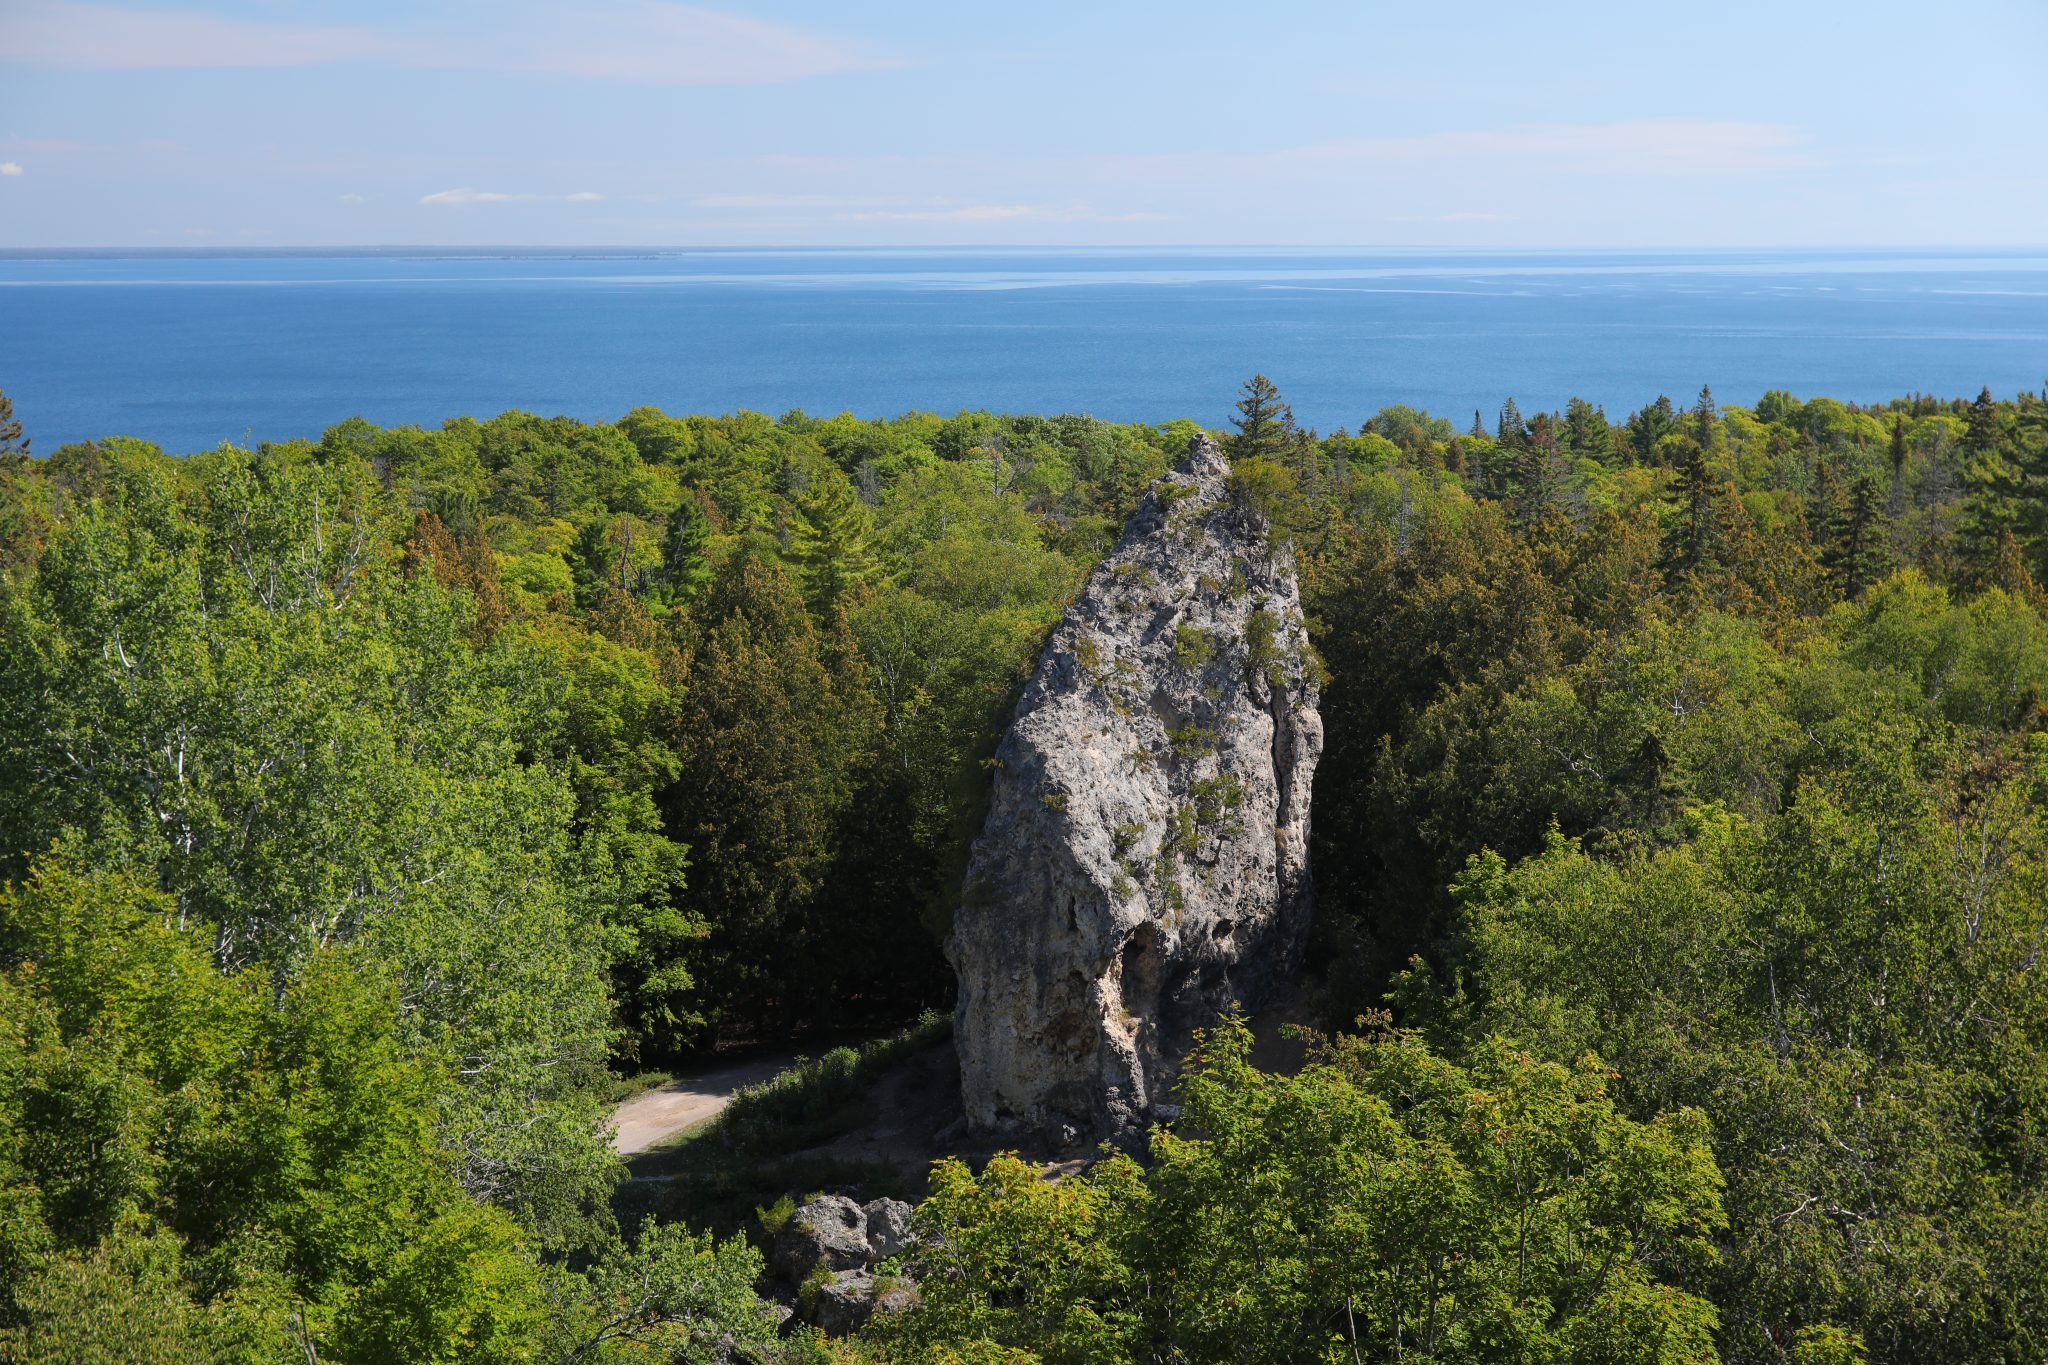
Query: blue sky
x=292 y=122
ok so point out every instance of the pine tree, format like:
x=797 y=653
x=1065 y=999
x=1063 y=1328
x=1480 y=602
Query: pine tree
x=1305 y=457
x=1705 y=418
x=1539 y=473
x=2009 y=488
x=684 y=569
x=1586 y=433
x=603 y=560
x=457 y=509
x=1753 y=586
x=830 y=547
x=13 y=445
x=1824 y=506
x=1478 y=431
x=1647 y=429
x=1901 y=456
x=1855 y=553
x=1511 y=430
x=1981 y=433
x=1265 y=424
x=1695 y=543
x=770 y=729
x=1778 y=408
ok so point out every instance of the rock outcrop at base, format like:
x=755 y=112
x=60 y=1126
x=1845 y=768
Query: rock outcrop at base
x=828 y=1253
x=1144 y=862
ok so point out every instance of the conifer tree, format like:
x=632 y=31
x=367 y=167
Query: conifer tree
x=684 y=569
x=1586 y=433
x=1754 y=581
x=1539 y=473
x=1511 y=430
x=1648 y=428
x=830 y=545
x=1981 y=433
x=1478 y=427
x=1305 y=457
x=2008 y=487
x=603 y=561
x=1901 y=456
x=2009 y=571
x=1778 y=408
x=1855 y=553
x=456 y=509
x=13 y=445
x=771 y=726
x=459 y=561
x=1264 y=422
x=1693 y=547
x=1705 y=418
x=1825 y=506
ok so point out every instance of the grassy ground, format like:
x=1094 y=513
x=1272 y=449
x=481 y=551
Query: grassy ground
x=729 y=1173
x=626 y=1087
x=816 y=1101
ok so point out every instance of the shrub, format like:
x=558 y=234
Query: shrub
x=1262 y=487
x=813 y=1100
x=1192 y=647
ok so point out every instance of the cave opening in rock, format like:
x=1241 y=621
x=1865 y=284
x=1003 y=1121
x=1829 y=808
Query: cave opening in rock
x=1141 y=971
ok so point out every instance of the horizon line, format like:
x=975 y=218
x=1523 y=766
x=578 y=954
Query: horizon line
x=933 y=248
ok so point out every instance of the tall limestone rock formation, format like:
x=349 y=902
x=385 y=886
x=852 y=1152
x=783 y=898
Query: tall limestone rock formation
x=1145 y=858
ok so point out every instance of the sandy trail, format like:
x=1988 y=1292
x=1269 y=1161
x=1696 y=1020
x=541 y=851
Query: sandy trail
x=648 y=1118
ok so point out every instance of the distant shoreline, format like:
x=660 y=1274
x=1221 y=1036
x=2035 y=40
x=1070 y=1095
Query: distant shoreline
x=488 y=251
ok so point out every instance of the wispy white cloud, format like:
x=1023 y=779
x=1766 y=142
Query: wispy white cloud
x=654 y=42
x=992 y=213
x=466 y=195
x=1461 y=216
x=352 y=199
x=1636 y=147
x=82 y=35
x=658 y=42
x=972 y=213
x=10 y=168
x=774 y=201
x=877 y=209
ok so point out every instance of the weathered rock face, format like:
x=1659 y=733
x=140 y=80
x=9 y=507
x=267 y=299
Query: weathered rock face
x=828 y=1251
x=843 y=1304
x=1144 y=862
x=833 y=1231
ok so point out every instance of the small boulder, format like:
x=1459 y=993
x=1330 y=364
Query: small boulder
x=894 y=1296
x=831 y=1231
x=843 y=1304
x=888 y=1227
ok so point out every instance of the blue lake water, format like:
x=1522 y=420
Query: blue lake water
x=190 y=349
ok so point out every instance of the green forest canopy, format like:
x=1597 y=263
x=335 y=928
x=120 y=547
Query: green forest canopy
x=367 y=802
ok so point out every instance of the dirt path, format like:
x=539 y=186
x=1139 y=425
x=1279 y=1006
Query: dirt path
x=648 y=1118
x=913 y=1101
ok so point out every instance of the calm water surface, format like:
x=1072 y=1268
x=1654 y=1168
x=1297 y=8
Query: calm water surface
x=190 y=349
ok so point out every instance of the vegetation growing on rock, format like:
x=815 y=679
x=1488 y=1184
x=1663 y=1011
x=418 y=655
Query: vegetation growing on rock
x=1081 y=981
